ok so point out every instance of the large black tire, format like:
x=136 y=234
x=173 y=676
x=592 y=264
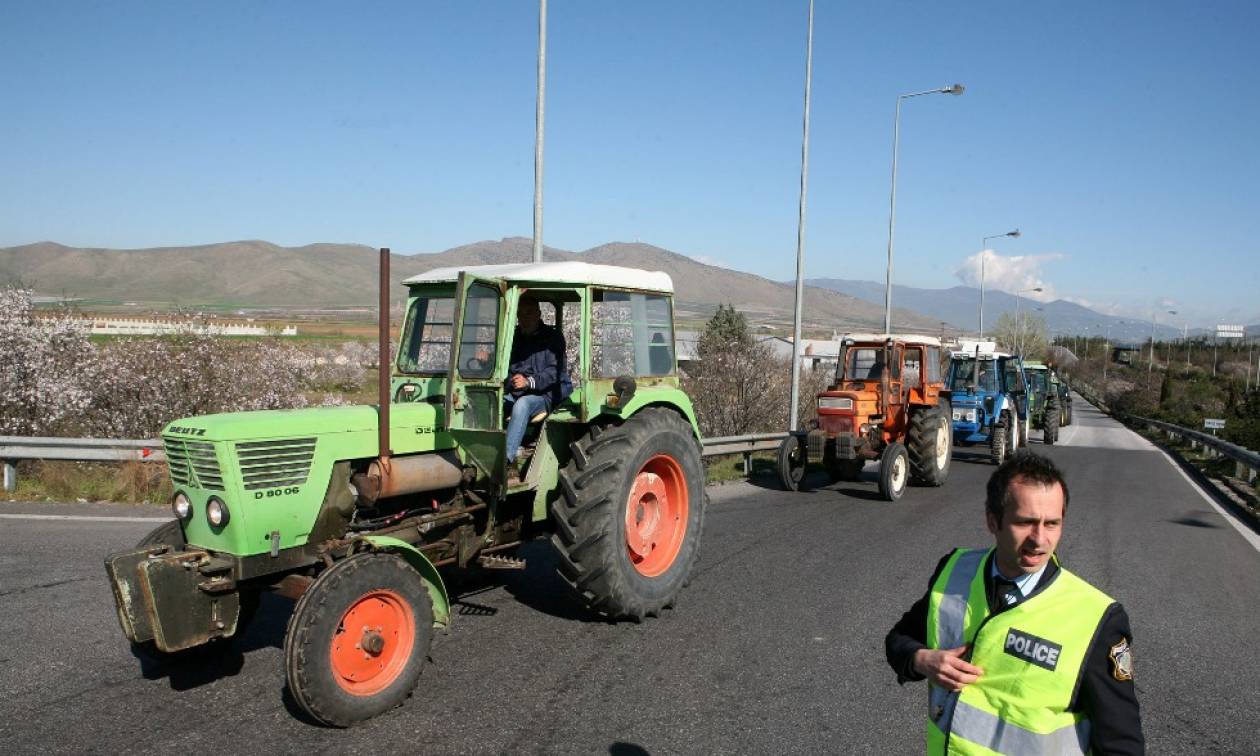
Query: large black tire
x=792 y=461
x=342 y=671
x=999 y=444
x=1050 y=430
x=626 y=557
x=930 y=445
x=844 y=469
x=894 y=471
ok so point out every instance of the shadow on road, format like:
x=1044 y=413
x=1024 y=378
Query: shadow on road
x=1194 y=522
x=540 y=587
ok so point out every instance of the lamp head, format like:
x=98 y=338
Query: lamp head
x=955 y=90
x=1014 y=234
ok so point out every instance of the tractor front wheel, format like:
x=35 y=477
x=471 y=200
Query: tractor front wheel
x=894 y=471
x=793 y=460
x=930 y=446
x=629 y=519
x=998 y=443
x=358 y=639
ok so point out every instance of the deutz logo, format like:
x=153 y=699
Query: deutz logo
x=187 y=431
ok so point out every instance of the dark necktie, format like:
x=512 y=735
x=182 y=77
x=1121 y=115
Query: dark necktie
x=1005 y=593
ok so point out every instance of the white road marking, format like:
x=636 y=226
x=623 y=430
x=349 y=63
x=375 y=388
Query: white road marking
x=81 y=518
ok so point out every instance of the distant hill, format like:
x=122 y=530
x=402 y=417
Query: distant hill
x=258 y=274
x=960 y=307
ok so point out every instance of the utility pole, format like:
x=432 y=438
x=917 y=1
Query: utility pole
x=538 y=130
x=800 y=227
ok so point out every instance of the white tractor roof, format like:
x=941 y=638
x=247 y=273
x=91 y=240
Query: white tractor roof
x=558 y=272
x=907 y=338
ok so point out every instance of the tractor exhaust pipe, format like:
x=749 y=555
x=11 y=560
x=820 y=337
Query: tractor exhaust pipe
x=383 y=363
x=408 y=474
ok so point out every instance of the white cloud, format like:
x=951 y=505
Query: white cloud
x=1010 y=274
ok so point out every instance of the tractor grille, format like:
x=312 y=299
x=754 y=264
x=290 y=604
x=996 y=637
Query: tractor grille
x=193 y=463
x=273 y=464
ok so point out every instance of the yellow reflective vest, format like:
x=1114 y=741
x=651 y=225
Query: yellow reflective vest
x=1032 y=655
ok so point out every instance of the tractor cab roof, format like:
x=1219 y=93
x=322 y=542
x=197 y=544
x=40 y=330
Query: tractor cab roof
x=968 y=348
x=569 y=272
x=1035 y=365
x=901 y=338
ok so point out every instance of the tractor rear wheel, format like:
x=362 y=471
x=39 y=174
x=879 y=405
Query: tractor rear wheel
x=930 y=446
x=894 y=471
x=998 y=444
x=628 y=522
x=358 y=639
x=793 y=460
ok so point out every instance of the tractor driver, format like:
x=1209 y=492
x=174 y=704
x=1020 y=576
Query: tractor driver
x=537 y=379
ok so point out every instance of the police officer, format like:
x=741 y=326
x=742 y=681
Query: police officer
x=1021 y=655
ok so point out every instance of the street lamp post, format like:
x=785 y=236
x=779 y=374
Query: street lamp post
x=983 y=258
x=956 y=89
x=1019 y=324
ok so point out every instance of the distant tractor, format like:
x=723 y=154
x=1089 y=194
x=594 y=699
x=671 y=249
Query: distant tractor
x=354 y=511
x=989 y=395
x=887 y=403
x=1045 y=410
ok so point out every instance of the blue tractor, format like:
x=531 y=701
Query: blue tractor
x=989 y=396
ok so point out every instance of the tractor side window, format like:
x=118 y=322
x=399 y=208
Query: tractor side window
x=480 y=334
x=933 y=364
x=632 y=334
x=865 y=364
x=426 y=346
x=913 y=363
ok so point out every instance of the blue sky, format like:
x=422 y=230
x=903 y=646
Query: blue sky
x=1120 y=137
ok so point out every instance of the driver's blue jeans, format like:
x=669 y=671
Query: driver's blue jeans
x=523 y=408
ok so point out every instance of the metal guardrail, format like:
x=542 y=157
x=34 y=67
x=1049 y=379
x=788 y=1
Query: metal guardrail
x=1247 y=462
x=13 y=448
x=150 y=450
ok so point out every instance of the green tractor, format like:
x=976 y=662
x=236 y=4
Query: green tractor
x=1045 y=400
x=355 y=512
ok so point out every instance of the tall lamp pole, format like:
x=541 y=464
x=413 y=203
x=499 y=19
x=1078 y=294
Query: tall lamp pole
x=983 y=257
x=538 y=130
x=957 y=89
x=1106 y=356
x=800 y=228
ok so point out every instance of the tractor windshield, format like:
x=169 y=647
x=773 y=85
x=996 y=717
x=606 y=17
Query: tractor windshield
x=426 y=346
x=964 y=374
x=1038 y=380
x=864 y=364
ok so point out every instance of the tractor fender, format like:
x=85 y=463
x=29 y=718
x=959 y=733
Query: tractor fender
x=432 y=580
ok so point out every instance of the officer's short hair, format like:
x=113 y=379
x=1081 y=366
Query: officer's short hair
x=1026 y=467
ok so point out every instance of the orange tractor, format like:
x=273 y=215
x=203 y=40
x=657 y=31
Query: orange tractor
x=888 y=403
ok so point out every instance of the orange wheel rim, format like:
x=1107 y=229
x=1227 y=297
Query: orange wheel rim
x=373 y=642
x=656 y=515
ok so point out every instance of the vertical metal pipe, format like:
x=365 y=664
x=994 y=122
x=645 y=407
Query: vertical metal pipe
x=538 y=130
x=800 y=228
x=383 y=362
x=892 y=222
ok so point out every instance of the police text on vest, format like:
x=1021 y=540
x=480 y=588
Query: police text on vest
x=1032 y=649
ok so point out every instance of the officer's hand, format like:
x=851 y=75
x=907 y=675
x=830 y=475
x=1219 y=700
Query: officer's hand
x=946 y=667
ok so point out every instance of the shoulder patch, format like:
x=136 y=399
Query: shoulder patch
x=1122 y=661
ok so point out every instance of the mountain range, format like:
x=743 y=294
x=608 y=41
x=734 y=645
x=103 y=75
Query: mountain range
x=252 y=275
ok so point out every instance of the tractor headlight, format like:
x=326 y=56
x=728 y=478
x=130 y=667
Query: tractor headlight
x=835 y=402
x=966 y=415
x=182 y=506
x=216 y=512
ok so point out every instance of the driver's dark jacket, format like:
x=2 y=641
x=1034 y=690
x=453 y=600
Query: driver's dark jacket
x=540 y=358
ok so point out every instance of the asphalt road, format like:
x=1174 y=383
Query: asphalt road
x=776 y=647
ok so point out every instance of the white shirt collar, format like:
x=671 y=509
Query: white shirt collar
x=1026 y=583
